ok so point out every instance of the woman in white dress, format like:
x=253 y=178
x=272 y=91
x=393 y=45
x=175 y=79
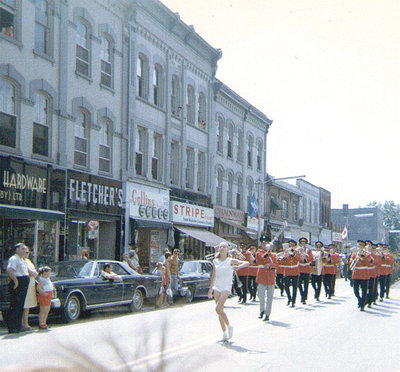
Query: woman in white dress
x=30 y=299
x=221 y=284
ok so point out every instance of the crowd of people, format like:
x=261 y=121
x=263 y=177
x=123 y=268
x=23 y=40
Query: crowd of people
x=25 y=293
x=291 y=270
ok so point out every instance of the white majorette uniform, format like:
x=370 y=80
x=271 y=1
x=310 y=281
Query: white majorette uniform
x=223 y=274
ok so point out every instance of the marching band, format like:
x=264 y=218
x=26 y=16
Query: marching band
x=296 y=265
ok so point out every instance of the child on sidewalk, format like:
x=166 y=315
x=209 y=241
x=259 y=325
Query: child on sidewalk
x=45 y=294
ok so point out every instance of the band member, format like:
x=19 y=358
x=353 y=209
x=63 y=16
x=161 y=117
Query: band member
x=266 y=278
x=221 y=284
x=305 y=268
x=336 y=260
x=290 y=262
x=316 y=269
x=389 y=261
x=375 y=274
x=243 y=274
x=279 y=272
x=328 y=269
x=359 y=265
x=252 y=273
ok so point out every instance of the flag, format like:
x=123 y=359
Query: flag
x=253 y=206
x=344 y=234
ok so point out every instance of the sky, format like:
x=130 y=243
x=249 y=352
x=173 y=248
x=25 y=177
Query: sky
x=327 y=72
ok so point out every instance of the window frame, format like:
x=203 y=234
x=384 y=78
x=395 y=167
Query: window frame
x=14 y=11
x=86 y=129
x=174 y=163
x=11 y=113
x=46 y=124
x=189 y=171
x=105 y=123
x=157 y=157
x=175 y=96
x=190 y=104
x=229 y=142
x=202 y=111
x=220 y=135
x=46 y=29
x=104 y=75
x=201 y=171
x=87 y=48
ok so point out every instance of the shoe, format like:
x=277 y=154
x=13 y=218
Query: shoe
x=253 y=300
x=281 y=294
x=303 y=302
x=26 y=329
x=43 y=328
x=329 y=297
x=369 y=306
x=381 y=299
x=230 y=332
x=293 y=305
x=224 y=337
x=243 y=302
x=387 y=297
x=266 y=318
x=261 y=314
x=240 y=299
x=362 y=309
x=13 y=331
x=288 y=303
x=317 y=299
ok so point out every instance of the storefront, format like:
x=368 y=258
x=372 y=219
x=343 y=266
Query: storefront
x=95 y=216
x=31 y=209
x=191 y=223
x=230 y=224
x=149 y=217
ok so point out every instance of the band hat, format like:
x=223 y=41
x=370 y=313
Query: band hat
x=263 y=238
x=368 y=241
x=332 y=245
x=360 y=241
x=292 y=241
x=303 y=238
x=318 y=241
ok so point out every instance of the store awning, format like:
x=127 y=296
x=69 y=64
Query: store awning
x=89 y=215
x=163 y=225
x=233 y=223
x=13 y=211
x=209 y=238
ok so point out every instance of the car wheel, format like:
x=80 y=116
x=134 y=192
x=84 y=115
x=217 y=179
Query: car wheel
x=137 y=301
x=189 y=294
x=72 y=309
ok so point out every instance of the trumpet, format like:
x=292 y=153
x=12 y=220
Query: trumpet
x=302 y=252
x=232 y=251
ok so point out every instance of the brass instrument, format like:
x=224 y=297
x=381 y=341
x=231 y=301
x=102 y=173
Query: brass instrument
x=361 y=254
x=232 y=251
x=302 y=252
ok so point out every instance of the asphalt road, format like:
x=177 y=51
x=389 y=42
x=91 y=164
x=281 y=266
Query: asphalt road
x=332 y=335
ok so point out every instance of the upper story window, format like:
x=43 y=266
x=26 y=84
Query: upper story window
x=190 y=104
x=284 y=208
x=141 y=151
x=8 y=117
x=250 y=151
x=82 y=49
x=230 y=141
x=81 y=138
x=158 y=85
x=229 y=191
x=142 y=76
x=189 y=167
x=105 y=145
x=176 y=106
x=239 y=193
x=156 y=160
x=240 y=146
x=174 y=165
x=250 y=186
x=220 y=135
x=8 y=18
x=201 y=171
x=295 y=213
x=41 y=125
x=219 y=187
x=42 y=29
x=202 y=112
x=259 y=155
x=106 y=58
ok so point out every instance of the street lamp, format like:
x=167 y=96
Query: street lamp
x=260 y=182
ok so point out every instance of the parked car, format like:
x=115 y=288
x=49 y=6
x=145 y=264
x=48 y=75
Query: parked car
x=194 y=278
x=80 y=287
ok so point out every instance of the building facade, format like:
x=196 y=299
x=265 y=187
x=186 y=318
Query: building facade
x=118 y=119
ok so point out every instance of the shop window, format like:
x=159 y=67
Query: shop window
x=8 y=118
x=8 y=19
x=82 y=49
x=105 y=142
x=157 y=157
x=106 y=60
x=176 y=107
x=81 y=138
x=202 y=112
x=83 y=235
x=174 y=165
x=190 y=109
x=141 y=152
x=157 y=86
x=189 y=167
x=42 y=30
x=201 y=171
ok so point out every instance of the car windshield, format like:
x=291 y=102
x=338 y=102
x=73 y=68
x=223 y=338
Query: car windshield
x=188 y=267
x=77 y=269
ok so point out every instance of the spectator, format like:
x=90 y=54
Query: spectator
x=84 y=254
x=19 y=280
x=174 y=268
x=134 y=259
x=162 y=298
x=45 y=294
x=107 y=273
x=30 y=299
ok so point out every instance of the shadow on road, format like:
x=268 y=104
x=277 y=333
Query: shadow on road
x=241 y=349
x=278 y=324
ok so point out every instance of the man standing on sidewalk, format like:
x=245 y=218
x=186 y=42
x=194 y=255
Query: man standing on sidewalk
x=19 y=280
x=267 y=262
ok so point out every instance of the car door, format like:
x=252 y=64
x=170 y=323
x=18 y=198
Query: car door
x=205 y=270
x=106 y=291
